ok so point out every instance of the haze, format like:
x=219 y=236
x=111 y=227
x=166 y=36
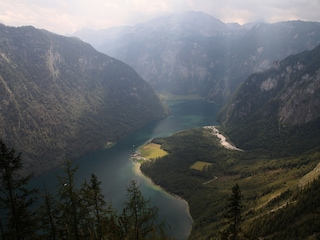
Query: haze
x=68 y=16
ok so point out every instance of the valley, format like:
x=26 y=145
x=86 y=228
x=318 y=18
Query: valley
x=114 y=166
x=196 y=53
x=61 y=98
x=201 y=106
x=279 y=151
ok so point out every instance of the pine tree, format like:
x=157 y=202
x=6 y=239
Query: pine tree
x=138 y=219
x=111 y=225
x=70 y=207
x=233 y=214
x=95 y=206
x=48 y=213
x=18 y=220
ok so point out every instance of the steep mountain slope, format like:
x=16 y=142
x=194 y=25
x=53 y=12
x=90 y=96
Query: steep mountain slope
x=60 y=98
x=173 y=53
x=279 y=108
x=193 y=52
x=275 y=118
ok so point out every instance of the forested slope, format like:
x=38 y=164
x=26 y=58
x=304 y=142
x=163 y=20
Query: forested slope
x=279 y=108
x=274 y=119
x=60 y=98
x=273 y=201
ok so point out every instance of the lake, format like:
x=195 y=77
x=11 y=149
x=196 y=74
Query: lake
x=115 y=169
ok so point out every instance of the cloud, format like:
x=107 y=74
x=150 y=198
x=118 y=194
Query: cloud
x=67 y=16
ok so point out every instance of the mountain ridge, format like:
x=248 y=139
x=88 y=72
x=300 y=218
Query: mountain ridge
x=60 y=98
x=274 y=116
x=281 y=103
x=195 y=53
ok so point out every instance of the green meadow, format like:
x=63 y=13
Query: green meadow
x=199 y=165
x=152 y=151
x=270 y=183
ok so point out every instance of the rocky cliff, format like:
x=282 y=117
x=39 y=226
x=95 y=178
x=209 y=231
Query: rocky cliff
x=60 y=98
x=193 y=52
x=278 y=107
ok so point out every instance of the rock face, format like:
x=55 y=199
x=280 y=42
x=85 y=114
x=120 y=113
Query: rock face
x=60 y=98
x=194 y=53
x=279 y=103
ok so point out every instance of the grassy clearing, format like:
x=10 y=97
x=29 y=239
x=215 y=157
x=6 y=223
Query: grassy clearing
x=199 y=165
x=309 y=177
x=268 y=182
x=152 y=151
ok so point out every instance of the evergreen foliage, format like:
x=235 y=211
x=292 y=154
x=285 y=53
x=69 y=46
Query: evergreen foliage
x=17 y=218
x=49 y=212
x=72 y=215
x=233 y=213
x=268 y=182
x=279 y=107
x=95 y=205
x=138 y=220
x=298 y=218
x=73 y=212
x=61 y=98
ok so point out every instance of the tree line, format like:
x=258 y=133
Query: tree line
x=72 y=212
x=78 y=213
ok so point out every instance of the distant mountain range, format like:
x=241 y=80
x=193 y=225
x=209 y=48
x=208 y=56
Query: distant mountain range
x=278 y=108
x=60 y=98
x=195 y=53
x=55 y=90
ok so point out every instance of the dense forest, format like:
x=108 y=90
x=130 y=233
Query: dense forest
x=279 y=198
x=236 y=195
x=60 y=98
x=271 y=198
x=267 y=189
x=72 y=212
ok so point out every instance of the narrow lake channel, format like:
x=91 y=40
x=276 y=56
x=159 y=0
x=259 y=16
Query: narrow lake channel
x=115 y=169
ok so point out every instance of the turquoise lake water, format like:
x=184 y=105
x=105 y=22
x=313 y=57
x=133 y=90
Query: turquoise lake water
x=115 y=169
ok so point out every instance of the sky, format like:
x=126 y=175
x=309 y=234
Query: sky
x=67 y=16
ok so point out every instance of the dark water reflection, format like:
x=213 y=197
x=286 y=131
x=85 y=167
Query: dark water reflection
x=115 y=169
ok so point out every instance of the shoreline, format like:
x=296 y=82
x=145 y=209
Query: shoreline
x=137 y=160
x=137 y=170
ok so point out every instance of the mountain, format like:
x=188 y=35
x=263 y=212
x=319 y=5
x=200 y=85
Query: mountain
x=195 y=53
x=278 y=109
x=180 y=53
x=60 y=98
x=273 y=119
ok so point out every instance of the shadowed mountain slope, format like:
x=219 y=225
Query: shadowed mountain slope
x=195 y=53
x=60 y=98
x=278 y=109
